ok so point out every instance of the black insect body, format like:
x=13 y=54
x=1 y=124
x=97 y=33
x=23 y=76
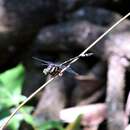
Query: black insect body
x=55 y=69
x=52 y=69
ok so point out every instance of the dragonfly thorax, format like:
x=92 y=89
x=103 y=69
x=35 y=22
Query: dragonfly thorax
x=52 y=69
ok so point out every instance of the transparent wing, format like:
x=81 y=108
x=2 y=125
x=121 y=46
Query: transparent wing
x=44 y=62
x=71 y=71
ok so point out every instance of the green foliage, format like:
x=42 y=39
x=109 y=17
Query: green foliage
x=57 y=125
x=10 y=87
x=75 y=125
x=10 y=97
x=50 y=125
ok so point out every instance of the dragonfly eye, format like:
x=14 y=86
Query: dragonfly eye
x=45 y=71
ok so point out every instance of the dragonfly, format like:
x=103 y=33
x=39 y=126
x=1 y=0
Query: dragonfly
x=54 y=69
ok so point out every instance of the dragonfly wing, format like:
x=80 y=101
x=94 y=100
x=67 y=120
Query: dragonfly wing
x=71 y=71
x=42 y=61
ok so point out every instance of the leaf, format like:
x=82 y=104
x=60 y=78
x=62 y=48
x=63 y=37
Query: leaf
x=26 y=112
x=14 y=123
x=13 y=78
x=4 y=113
x=75 y=125
x=10 y=87
x=49 y=125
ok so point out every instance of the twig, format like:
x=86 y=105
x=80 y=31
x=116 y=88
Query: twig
x=96 y=41
x=68 y=61
x=74 y=60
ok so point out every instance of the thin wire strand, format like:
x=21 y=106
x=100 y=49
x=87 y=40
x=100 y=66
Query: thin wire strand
x=74 y=60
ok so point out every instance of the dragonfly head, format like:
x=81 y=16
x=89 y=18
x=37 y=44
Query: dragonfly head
x=47 y=70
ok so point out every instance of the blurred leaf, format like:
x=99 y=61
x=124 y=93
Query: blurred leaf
x=75 y=125
x=13 y=78
x=10 y=97
x=26 y=112
x=14 y=123
x=49 y=125
x=10 y=87
x=4 y=113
